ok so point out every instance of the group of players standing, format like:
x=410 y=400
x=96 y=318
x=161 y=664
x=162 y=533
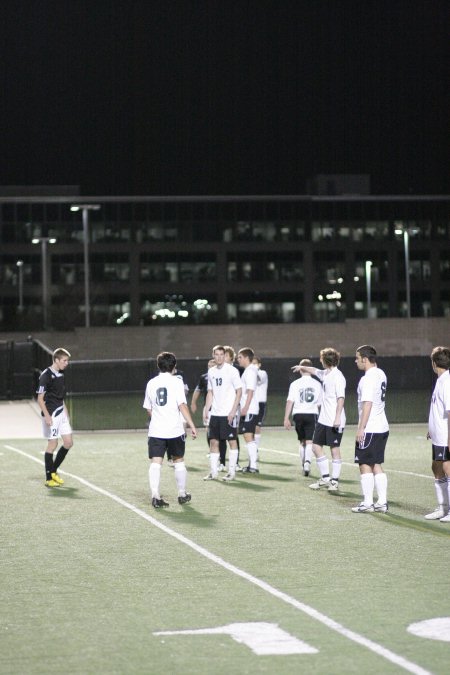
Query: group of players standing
x=235 y=403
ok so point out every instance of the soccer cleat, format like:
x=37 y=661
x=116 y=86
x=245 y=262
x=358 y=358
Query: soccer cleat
x=306 y=468
x=228 y=477
x=51 y=483
x=381 y=508
x=363 y=508
x=57 y=478
x=184 y=499
x=249 y=469
x=445 y=519
x=437 y=514
x=334 y=485
x=158 y=503
x=210 y=477
x=239 y=468
x=323 y=482
x=222 y=468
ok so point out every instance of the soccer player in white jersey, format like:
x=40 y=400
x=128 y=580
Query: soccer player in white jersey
x=372 y=432
x=222 y=402
x=439 y=433
x=303 y=401
x=249 y=407
x=330 y=425
x=165 y=401
x=261 y=396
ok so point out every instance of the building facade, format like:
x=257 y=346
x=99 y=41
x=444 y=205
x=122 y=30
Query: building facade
x=197 y=260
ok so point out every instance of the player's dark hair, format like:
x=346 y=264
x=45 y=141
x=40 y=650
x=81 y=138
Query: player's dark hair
x=440 y=356
x=330 y=357
x=248 y=352
x=367 y=352
x=166 y=362
x=219 y=348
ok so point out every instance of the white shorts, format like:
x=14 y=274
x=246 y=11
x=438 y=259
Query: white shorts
x=60 y=425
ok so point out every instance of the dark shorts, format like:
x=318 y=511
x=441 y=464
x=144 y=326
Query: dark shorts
x=157 y=447
x=440 y=453
x=262 y=413
x=373 y=449
x=305 y=423
x=221 y=430
x=327 y=436
x=247 y=424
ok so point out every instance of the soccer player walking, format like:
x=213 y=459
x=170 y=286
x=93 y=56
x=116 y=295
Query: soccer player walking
x=249 y=407
x=439 y=433
x=222 y=402
x=55 y=418
x=303 y=401
x=330 y=425
x=372 y=432
x=165 y=401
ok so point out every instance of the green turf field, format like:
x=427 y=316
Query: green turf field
x=91 y=573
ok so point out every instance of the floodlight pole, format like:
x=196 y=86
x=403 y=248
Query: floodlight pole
x=19 y=264
x=85 y=208
x=369 y=287
x=407 y=277
x=43 y=241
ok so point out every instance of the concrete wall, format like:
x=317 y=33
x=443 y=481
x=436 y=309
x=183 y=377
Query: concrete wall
x=391 y=337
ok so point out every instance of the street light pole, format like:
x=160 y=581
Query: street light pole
x=402 y=229
x=43 y=241
x=19 y=264
x=85 y=208
x=369 y=287
x=407 y=279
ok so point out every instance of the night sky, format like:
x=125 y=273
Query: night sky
x=225 y=97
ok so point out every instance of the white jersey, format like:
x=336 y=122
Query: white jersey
x=306 y=393
x=249 y=380
x=223 y=382
x=372 y=387
x=333 y=388
x=439 y=410
x=261 y=386
x=163 y=396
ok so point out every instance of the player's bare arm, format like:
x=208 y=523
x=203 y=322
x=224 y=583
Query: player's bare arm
x=43 y=407
x=184 y=410
x=237 y=398
x=365 y=414
x=287 y=415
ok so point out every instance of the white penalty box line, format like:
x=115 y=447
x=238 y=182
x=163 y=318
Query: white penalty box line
x=374 y=647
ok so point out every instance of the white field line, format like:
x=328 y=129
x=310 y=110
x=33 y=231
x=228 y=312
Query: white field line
x=306 y=609
x=405 y=473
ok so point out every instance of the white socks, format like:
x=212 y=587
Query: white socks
x=307 y=453
x=336 y=466
x=232 y=461
x=154 y=475
x=381 y=487
x=323 y=466
x=180 y=477
x=367 y=486
x=214 y=459
x=442 y=492
x=252 y=450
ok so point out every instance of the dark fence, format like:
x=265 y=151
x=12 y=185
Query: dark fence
x=108 y=394
x=131 y=375
x=20 y=365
